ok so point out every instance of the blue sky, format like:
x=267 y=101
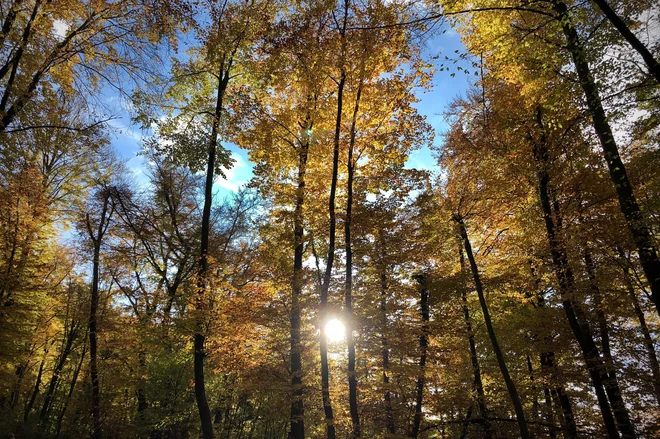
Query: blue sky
x=126 y=138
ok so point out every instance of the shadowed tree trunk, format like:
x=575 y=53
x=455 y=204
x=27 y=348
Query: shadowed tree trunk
x=624 y=30
x=513 y=392
x=576 y=319
x=35 y=391
x=534 y=389
x=297 y=430
x=382 y=267
x=72 y=387
x=71 y=335
x=476 y=369
x=601 y=318
x=107 y=209
x=557 y=393
x=423 y=347
x=325 y=285
x=13 y=63
x=9 y=20
x=21 y=98
x=350 y=321
x=646 y=333
x=635 y=219
x=141 y=391
x=391 y=429
x=549 y=413
x=201 y=302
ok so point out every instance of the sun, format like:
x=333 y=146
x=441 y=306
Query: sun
x=335 y=330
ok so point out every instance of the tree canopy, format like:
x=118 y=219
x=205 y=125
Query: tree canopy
x=508 y=287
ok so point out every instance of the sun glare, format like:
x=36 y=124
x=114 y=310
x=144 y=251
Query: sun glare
x=335 y=330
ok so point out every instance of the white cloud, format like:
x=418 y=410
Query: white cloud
x=237 y=176
x=60 y=29
x=125 y=129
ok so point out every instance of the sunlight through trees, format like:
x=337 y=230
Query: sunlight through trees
x=392 y=267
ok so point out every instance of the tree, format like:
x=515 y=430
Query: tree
x=96 y=227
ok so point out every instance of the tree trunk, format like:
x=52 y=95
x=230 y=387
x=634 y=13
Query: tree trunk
x=16 y=59
x=513 y=392
x=646 y=333
x=325 y=286
x=72 y=387
x=201 y=300
x=9 y=20
x=35 y=391
x=535 y=400
x=549 y=418
x=141 y=392
x=94 y=305
x=576 y=319
x=547 y=359
x=635 y=219
x=16 y=388
x=600 y=314
x=22 y=100
x=297 y=408
x=474 y=358
x=423 y=347
x=624 y=30
x=391 y=429
x=54 y=380
x=350 y=321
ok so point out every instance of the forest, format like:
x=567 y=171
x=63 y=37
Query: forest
x=506 y=287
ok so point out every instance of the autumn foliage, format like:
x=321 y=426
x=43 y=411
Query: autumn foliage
x=508 y=288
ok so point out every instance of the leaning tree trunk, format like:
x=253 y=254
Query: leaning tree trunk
x=474 y=358
x=576 y=319
x=54 y=380
x=72 y=387
x=423 y=347
x=547 y=359
x=22 y=99
x=511 y=387
x=35 y=391
x=624 y=30
x=635 y=218
x=10 y=18
x=646 y=333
